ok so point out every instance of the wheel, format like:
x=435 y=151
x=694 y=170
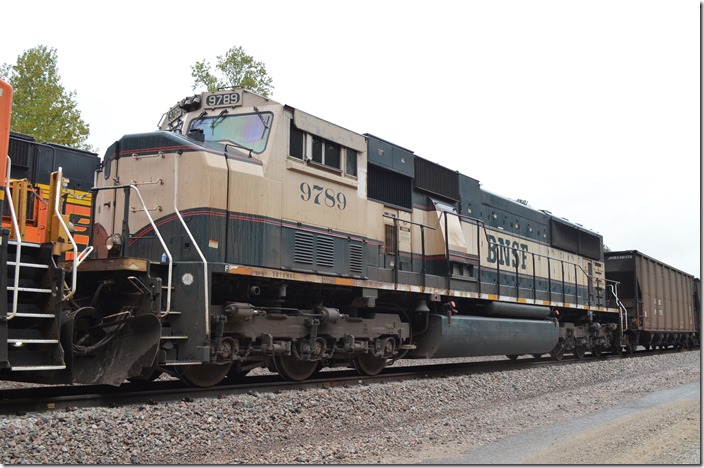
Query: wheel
x=598 y=349
x=630 y=347
x=203 y=375
x=367 y=364
x=647 y=347
x=580 y=351
x=512 y=357
x=537 y=356
x=557 y=355
x=559 y=351
x=292 y=368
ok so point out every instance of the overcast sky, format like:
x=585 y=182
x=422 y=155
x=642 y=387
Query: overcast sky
x=588 y=109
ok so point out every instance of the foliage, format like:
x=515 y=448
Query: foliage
x=235 y=69
x=523 y=202
x=41 y=107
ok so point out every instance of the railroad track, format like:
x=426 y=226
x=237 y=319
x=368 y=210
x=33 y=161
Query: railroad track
x=52 y=398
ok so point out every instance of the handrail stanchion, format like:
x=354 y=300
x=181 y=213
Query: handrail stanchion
x=18 y=237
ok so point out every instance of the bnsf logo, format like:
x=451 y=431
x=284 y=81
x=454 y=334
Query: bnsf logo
x=507 y=252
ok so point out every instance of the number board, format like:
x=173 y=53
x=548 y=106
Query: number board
x=229 y=99
x=174 y=113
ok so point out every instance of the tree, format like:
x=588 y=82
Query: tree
x=523 y=202
x=235 y=69
x=41 y=107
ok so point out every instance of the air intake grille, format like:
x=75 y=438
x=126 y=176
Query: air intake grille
x=303 y=248
x=326 y=252
x=356 y=259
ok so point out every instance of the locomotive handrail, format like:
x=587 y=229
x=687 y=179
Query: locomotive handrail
x=622 y=308
x=422 y=245
x=15 y=226
x=479 y=223
x=158 y=235
x=195 y=244
x=80 y=257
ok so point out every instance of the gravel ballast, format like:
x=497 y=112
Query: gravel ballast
x=403 y=422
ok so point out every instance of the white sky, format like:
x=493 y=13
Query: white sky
x=589 y=109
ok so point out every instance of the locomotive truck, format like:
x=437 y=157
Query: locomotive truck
x=246 y=233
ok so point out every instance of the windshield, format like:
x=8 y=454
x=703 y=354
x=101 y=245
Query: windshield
x=250 y=131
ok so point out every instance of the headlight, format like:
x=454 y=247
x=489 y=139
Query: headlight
x=114 y=245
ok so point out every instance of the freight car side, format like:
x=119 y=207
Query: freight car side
x=661 y=302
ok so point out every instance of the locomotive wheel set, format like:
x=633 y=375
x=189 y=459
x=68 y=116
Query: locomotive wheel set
x=245 y=233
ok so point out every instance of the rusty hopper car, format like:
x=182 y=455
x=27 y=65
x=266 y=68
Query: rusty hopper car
x=662 y=302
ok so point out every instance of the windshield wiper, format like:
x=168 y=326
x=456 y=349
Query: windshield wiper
x=218 y=119
x=266 y=126
x=197 y=119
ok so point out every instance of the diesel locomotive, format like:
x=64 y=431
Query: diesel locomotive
x=246 y=233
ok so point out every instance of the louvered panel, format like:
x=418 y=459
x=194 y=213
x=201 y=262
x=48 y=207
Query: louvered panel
x=356 y=259
x=303 y=248
x=325 y=252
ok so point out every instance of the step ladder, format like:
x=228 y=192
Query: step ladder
x=32 y=326
x=31 y=293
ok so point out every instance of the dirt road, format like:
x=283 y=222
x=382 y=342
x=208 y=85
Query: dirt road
x=661 y=428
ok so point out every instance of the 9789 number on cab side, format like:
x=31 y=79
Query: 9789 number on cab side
x=324 y=196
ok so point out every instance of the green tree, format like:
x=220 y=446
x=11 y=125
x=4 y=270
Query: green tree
x=41 y=107
x=235 y=69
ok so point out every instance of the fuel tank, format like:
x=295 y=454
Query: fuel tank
x=463 y=336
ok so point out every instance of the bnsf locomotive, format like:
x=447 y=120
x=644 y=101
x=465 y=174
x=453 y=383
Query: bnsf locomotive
x=246 y=233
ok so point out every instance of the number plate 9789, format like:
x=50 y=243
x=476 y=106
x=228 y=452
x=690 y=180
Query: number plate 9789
x=223 y=100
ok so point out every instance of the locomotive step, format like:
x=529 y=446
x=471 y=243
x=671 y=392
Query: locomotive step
x=34 y=315
x=37 y=368
x=29 y=265
x=24 y=244
x=31 y=341
x=174 y=337
x=35 y=290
